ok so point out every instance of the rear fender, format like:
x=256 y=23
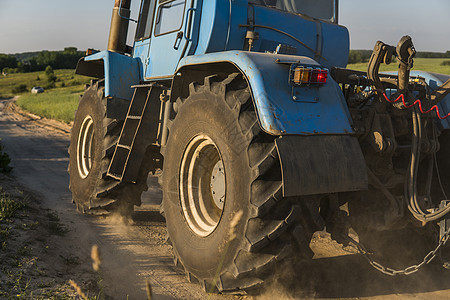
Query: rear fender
x=120 y=72
x=281 y=108
x=317 y=153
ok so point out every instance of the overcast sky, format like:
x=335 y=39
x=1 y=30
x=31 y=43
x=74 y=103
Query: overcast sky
x=31 y=25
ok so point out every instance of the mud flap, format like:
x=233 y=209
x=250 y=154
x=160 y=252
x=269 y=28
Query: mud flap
x=321 y=164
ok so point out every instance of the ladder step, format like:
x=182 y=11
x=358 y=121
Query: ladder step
x=140 y=127
x=115 y=176
x=124 y=146
x=148 y=85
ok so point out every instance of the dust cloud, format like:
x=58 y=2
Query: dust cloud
x=337 y=272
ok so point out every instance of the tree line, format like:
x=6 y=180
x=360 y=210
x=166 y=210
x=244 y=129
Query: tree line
x=38 y=61
x=363 y=56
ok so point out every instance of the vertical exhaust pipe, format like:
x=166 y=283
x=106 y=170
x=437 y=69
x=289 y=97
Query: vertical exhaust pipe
x=119 y=26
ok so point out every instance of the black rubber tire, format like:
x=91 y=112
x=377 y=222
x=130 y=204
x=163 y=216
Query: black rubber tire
x=97 y=193
x=271 y=228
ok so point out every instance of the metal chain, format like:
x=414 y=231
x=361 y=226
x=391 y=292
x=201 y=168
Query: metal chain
x=407 y=271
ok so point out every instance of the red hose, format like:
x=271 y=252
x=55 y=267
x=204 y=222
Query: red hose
x=434 y=107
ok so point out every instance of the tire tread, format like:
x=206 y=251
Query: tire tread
x=278 y=227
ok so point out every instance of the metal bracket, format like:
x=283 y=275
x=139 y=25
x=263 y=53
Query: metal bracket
x=381 y=53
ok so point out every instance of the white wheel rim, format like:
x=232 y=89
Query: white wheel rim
x=84 y=147
x=202 y=185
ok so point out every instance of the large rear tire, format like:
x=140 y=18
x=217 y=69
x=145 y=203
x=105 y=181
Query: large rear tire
x=92 y=144
x=226 y=218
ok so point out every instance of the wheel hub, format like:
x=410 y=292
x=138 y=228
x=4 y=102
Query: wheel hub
x=218 y=184
x=84 y=147
x=202 y=185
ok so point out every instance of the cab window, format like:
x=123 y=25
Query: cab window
x=144 y=27
x=169 y=17
x=319 y=9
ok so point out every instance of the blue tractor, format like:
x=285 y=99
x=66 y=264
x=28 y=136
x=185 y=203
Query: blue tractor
x=259 y=135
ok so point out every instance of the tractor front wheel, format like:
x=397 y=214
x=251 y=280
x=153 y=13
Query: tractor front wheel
x=92 y=144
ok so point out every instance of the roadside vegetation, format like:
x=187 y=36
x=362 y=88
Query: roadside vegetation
x=363 y=56
x=435 y=62
x=64 y=79
x=58 y=104
x=60 y=98
x=39 y=60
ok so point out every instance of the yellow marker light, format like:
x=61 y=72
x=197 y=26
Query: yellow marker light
x=302 y=75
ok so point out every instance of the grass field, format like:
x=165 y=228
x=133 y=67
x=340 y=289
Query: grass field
x=58 y=103
x=422 y=64
x=68 y=78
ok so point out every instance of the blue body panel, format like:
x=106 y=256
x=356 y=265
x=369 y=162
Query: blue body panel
x=217 y=26
x=212 y=35
x=220 y=30
x=327 y=39
x=140 y=52
x=121 y=72
x=434 y=81
x=314 y=111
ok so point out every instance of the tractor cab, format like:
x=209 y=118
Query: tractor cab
x=161 y=36
x=167 y=31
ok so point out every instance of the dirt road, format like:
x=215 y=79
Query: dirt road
x=131 y=254
x=136 y=253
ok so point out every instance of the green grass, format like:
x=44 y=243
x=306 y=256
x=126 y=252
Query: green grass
x=422 y=64
x=66 y=77
x=8 y=206
x=58 y=104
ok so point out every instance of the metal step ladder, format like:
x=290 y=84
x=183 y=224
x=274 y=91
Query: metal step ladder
x=139 y=130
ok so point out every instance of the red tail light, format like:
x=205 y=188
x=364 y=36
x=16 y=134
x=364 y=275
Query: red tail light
x=319 y=76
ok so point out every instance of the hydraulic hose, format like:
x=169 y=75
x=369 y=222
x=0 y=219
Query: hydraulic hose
x=411 y=182
x=405 y=53
x=416 y=102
